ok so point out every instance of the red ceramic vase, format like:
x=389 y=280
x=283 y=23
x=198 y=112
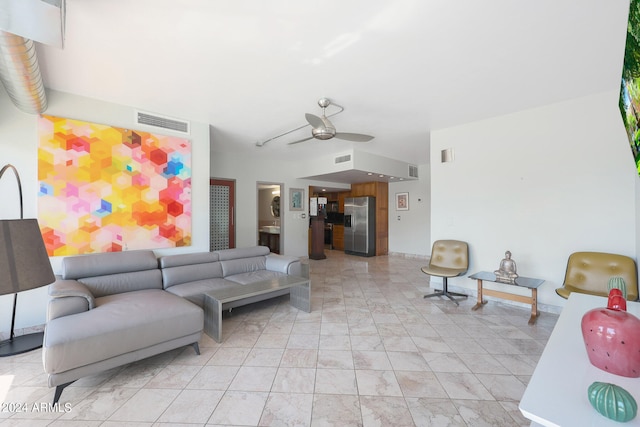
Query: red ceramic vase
x=612 y=337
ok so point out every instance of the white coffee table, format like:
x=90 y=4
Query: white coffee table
x=557 y=392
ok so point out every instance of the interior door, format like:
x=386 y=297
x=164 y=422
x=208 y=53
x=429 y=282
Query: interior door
x=223 y=203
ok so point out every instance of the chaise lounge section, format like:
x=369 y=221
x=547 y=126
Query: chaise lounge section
x=108 y=310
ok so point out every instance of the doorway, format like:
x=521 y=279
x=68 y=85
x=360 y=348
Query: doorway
x=270 y=207
x=222 y=226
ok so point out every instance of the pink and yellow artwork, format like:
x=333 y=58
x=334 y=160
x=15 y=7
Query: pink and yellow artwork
x=108 y=189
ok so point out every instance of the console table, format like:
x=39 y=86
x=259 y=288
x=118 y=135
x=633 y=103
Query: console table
x=557 y=391
x=524 y=282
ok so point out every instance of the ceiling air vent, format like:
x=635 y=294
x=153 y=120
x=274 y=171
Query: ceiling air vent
x=343 y=159
x=162 y=122
x=413 y=171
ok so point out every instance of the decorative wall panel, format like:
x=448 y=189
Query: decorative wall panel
x=107 y=189
x=219 y=217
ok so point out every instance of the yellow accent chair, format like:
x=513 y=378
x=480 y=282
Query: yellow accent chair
x=449 y=258
x=589 y=273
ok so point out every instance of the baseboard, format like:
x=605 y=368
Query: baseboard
x=409 y=256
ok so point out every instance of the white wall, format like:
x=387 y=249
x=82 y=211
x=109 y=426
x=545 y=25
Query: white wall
x=542 y=183
x=410 y=231
x=249 y=170
x=18 y=141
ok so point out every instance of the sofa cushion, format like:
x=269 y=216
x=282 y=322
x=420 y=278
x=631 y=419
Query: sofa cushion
x=77 y=267
x=168 y=261
x=119 y=324
x=194 y=291
x=123 y=282
x=254 y=276
x=236 y=253
x=178 y=269
x=243 y=265
x=114 y=272
x=284 y=264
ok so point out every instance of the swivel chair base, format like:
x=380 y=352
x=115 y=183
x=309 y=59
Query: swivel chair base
x=445 y=293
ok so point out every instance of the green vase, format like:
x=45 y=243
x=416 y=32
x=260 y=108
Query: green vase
x=618 y=283
x=612 y=401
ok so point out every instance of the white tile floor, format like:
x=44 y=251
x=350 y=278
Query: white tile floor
x=372 y=352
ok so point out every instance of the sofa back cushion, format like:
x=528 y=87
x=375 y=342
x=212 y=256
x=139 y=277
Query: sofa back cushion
x=114 y=272
x=243 y=265
x=236 y=253
x=184 y=268
x=243 y=260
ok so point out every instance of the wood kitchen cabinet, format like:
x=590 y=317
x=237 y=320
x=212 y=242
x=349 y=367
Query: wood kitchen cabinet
x=379 y=190
x=341 y=196
x=338 y=237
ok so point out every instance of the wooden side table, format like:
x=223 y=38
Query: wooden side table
x=524 y=282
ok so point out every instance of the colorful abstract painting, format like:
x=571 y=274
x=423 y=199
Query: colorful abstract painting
x=108 y=189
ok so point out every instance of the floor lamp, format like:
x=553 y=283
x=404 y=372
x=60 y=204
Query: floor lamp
x=24 y=265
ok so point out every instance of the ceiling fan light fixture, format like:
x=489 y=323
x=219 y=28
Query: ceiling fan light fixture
x=323 y=133
x=324 y=102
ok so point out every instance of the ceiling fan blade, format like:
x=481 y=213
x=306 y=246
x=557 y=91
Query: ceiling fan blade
x=315 y=121
x=355 y=137
x=300 y=140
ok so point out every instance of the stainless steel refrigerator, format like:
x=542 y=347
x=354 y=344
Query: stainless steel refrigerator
x=360 y=226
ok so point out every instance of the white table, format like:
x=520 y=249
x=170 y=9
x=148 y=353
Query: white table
x=557 y=392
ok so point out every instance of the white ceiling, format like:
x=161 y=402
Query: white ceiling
x=252 y=68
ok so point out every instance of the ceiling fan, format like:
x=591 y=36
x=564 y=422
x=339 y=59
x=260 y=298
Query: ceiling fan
x=322 y=128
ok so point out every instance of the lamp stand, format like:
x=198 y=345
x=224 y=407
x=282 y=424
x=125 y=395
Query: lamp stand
x=27 y=342
x=22 y=343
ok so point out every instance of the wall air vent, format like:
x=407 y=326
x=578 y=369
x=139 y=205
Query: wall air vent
x=162 y=122
x=413 y=171
x=343 y=159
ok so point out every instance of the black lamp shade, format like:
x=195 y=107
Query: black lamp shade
x=24 y=263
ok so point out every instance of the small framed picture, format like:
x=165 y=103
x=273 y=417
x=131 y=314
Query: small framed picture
x=296 y=199
x=402 y=201
x=313 y=206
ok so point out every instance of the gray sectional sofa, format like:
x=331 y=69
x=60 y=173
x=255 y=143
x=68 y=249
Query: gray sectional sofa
x=110 y=309
x=191 y=275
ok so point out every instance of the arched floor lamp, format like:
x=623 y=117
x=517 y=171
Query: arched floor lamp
x=24 y=265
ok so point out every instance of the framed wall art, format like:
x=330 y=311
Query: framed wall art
x=109 y=189
x=296 y=199
x=402 y=201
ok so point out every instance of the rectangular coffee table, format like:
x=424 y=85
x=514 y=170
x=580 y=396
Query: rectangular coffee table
x=524 y=282
x=233 y=296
